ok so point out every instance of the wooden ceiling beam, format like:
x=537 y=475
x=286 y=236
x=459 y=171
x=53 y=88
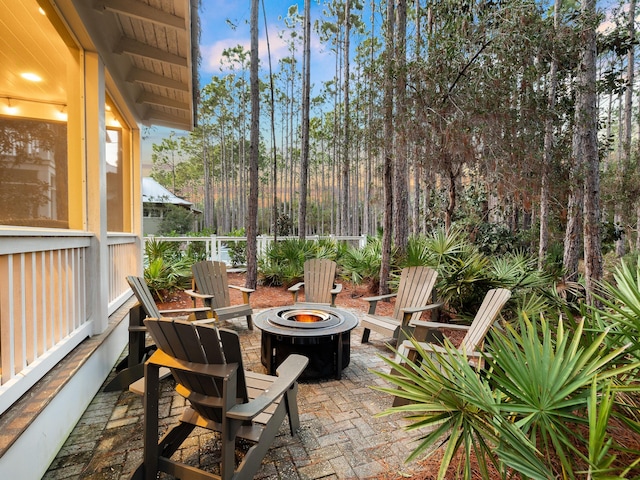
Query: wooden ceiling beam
x=138 y=75
x=133 y=47
x=153 y=99
x=141 y=11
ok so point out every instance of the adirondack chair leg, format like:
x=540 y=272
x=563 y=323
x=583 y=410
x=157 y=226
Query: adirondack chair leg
x=228 y=457
x=249 y=322
x=132 y=367
x=150 y=433
x=365 y=335
x=397 y=401
x=253 y=459
x=291 y=406
x=404 y=333
x=125 y=378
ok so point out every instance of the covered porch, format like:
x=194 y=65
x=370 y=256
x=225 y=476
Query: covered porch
x=80 y=79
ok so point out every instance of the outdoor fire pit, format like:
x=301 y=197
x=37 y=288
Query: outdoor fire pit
x=319 y=332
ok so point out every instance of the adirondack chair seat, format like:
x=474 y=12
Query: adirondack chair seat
x=389 y=326
x=319 y=282
x=412 y=298
x=206 y=363
x=211 y=285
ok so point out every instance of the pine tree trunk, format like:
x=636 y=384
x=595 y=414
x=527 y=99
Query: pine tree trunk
x=344 y=220
x=548 y=148
x=628 y=112
x=387 y=175
x=252 y=216
x=304 y=159
x=401 y=190
x=588 y=124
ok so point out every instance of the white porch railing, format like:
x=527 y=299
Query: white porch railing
x=43 y=305
x=123 y=261
x=44 y=310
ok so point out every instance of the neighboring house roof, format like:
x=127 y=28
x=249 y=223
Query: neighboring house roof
x=153 y=192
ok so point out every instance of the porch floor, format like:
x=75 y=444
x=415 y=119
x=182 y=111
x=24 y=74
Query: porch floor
x=339 y=438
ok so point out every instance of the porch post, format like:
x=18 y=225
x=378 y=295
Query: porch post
x=96 y=191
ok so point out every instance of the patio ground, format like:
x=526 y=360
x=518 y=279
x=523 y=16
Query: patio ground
x=339 y=436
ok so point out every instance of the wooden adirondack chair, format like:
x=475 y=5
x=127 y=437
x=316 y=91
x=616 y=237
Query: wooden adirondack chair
x=319 y=282
x=212 y=286
x=471 y=345
x=145 y=298
x=412 y=298
x=132 y=368
x=206 y=363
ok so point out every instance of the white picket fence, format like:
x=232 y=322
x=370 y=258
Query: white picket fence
x=216 y=245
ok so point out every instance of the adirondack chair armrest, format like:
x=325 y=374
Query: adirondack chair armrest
x=246 y=292
x=186 y=310
x=218 y=370
x=475 y=358
x=437 y=325
x=242 y=289
x=197 y=295
x=288 y=373
x=373 y=301
x=408 y=312
x=425 y=331
x=337 y=288
x=294 y=289
x=408 y=346
x=193 y=293
x=412 y=310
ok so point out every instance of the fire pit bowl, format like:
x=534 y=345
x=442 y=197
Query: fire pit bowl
x=306 y=316
x=321 y=333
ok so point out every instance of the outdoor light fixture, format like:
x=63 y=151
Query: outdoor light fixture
x=10 y=109
x=30 y=76
x=61 y=113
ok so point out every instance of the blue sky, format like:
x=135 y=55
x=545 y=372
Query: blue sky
x=217 y=16
x=225 y=24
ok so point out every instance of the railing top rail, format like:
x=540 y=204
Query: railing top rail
x=11 y=231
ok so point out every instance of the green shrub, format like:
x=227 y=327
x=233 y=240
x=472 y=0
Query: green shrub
x=167 y=268
x=283 y=262
x=176 y=220
x=362 y=265
x=523 y=412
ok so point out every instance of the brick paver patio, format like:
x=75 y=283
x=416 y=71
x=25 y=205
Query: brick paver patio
x=339 y=437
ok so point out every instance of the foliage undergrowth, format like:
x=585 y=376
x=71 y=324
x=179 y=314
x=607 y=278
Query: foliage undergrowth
x=549 y=402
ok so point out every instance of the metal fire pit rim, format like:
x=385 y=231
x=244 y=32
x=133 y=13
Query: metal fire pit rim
x=331 y=318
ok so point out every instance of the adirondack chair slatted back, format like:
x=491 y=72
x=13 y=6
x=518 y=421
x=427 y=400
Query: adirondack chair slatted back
x=144 y=296
x=211 y=279
x=493 y=302
x=319 y=277
x=416 y=284
x=202 y=344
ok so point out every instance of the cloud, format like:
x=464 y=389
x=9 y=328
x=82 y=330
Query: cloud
x=212 y=53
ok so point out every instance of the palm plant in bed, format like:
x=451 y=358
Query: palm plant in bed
x=528 y=411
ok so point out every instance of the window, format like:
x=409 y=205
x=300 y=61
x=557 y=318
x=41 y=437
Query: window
x=117 y=167
x=39 y=70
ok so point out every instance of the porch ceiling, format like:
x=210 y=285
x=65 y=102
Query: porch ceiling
x=150 y=48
